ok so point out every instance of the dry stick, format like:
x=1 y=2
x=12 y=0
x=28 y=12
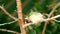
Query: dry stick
x=8 y=13
x=7 y=23
x=20 y=16
x=5 y=30
x=28 y=24
x=45 y=25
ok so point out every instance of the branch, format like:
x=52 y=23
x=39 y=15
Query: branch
x=45 y=25
x=56 y=20
x=20 y=16
x=8 y=13
x=28 y=24
x=9 y=31
x=7 y=23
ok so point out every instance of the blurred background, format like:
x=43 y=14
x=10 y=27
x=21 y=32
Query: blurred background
x=29 y=6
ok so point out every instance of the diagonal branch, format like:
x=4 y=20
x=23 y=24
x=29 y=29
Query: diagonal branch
x=7 y=23
x=5 y=30
x=8 y=13
x=45 y=25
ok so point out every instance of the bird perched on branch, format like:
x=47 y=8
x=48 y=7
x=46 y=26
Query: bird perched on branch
x=35 y=17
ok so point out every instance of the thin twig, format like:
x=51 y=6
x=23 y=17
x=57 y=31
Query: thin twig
x=45 y=25
x=20 y=16
x=28 y=24
x=5 y=30
x=54 y=9
x=8 y=13
x=56 y=20
x=7 y=23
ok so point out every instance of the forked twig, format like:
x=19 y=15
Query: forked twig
x=9 y=22
x=45 y=25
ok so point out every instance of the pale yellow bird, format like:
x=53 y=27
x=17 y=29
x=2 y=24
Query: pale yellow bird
x=35 y=17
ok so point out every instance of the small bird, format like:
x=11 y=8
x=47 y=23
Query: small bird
x=35 y=17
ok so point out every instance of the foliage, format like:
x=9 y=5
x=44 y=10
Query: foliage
x=42 y=6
